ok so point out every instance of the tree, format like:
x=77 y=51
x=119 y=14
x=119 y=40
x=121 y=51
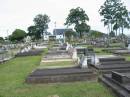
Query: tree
x=17 y=35
x=32 y=32
x=1 y=39
x=82 y=28
x=96 y=34
x=78 y=18
x=115 y=16
x=112 y=34
x=69 y=34
x=123 y=19
x=107 y=11
x=41 y=25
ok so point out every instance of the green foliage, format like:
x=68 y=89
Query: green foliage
x=17 y=35
x=69 y=34
x=82 y=28
x=115 y=15
x=31 y=30
x=112 y=34
x=96 y=34
x=40 y=27
x=1 y=39
x=78 y=18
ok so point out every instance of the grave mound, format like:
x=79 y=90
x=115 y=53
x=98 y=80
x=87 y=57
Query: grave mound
x=70 y=74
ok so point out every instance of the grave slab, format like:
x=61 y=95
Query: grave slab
x=112 y=64
x=70 y=74
x=119 y=82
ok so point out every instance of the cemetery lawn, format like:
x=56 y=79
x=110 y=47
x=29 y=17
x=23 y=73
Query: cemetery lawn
x=14 y=72
x=60 y=64
x=99 y=51
x=127 y=57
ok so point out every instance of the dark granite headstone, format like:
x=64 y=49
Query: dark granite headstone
x=119 y=77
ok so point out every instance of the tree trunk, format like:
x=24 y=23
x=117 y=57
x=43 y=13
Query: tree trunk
x=122 y=30
x=80 y=34
x=109 y=29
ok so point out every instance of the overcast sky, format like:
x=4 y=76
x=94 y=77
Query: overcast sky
x=20 y=13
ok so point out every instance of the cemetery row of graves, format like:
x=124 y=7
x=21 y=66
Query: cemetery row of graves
x=67 y=63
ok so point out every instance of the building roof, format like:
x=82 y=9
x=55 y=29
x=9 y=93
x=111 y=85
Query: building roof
x=60 y=31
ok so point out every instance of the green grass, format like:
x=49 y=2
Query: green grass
x=14 y=72
x=99 y=51
x=57 y=64
x=127 y=57
x=116 y=45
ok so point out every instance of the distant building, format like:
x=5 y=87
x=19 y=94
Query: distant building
x=60 y=33
x=46 y=36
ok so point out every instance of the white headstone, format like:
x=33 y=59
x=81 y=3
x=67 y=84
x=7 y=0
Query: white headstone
x=78 y=60
x=22 y=51
x=83 y=62
x=128 y=47
x=67 y=47
x=74 y=54
x=28 y=39
x=95 y=61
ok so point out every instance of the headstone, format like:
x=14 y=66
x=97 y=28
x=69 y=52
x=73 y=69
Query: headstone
x=83 y=62
x=26 y=49
x=68 y=46
x=28 y=39
x=95 y=61
x=119 y=77
x=74 y=55
x=128 y=47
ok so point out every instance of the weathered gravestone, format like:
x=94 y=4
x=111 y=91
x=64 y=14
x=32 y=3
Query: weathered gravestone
x=74 y=54
x=83 y=62
x=128 y=47
x=120 y=77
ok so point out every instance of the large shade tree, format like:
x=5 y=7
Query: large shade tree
x=40 y=26
x=69 y=34
x=32 y=31
x=82 y=28
x=17 y=35
x=78 y=18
